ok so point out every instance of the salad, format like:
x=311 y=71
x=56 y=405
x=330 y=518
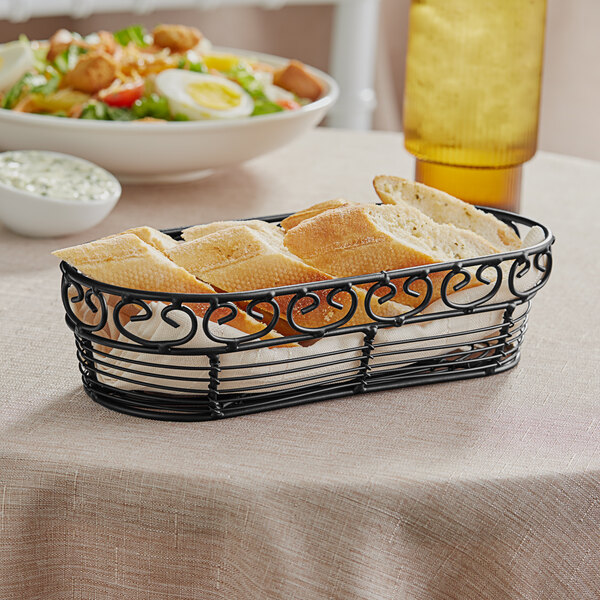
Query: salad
x=169 y=74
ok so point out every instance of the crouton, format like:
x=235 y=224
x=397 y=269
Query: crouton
x=177 y=38
x=297 y=79
x=94 y=71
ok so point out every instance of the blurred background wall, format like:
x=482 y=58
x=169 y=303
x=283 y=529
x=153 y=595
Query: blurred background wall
x=570 y=114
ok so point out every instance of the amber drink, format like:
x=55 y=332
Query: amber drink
x=472 y=95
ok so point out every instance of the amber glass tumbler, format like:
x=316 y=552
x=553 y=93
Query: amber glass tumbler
x=472 y=95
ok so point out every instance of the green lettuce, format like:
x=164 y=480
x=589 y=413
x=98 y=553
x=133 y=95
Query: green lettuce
x=243 y=75
x=49 y=87
x=196 y=67
x=134 y=33
x=99 y=111
x=67 y=59
x=30 y=82
x=151 y=106
x=265 y=107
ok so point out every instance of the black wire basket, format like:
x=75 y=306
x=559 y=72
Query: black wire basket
x=150 y=354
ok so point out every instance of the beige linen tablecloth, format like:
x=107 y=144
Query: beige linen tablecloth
x=488 y=488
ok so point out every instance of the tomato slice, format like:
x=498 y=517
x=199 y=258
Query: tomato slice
x=288 y=104
x=125 y=96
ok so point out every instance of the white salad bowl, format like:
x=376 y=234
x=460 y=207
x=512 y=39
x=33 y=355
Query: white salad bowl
x=167 y=151
x=33 y=215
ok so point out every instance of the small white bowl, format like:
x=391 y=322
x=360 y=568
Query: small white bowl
x=33 y=215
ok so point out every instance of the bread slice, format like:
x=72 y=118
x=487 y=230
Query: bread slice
x=240 y=258
x=369 y=238
x=198 y=231
x=161 y=241
x=446 y=209
x=310 y=212
x=164 y=242
x=361 y=239
x=127 y=261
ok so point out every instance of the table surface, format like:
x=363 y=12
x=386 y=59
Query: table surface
x=486 y=488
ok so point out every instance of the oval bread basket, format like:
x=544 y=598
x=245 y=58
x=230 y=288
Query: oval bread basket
x=149 y=354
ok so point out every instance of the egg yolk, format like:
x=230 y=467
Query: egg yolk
x=221 y=62
x=213 y=95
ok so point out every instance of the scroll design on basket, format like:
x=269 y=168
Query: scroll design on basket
x=87 y=297
x=233 y=313
x=407 y=288
x=146 y=313
x=521 y=266
x=467 y=278
x=274 y=310
x=316 y=301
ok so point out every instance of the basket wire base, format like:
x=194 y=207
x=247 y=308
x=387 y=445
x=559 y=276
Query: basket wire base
x=121 y=403
x=497 y=354
x=180 y=379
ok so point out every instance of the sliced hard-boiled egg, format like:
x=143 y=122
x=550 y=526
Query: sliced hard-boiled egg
x=199 y=96
x=16 y=58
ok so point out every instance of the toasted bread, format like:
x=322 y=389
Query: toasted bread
x=240 y=258
x=310 y=212
x=361 y=239
x=125 y=260
x=198 y=231
x=161 y=241
x=446 y=209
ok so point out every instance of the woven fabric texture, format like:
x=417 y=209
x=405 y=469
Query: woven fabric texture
x=484 y=489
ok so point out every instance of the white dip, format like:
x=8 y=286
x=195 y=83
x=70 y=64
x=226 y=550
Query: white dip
x=56 y=176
